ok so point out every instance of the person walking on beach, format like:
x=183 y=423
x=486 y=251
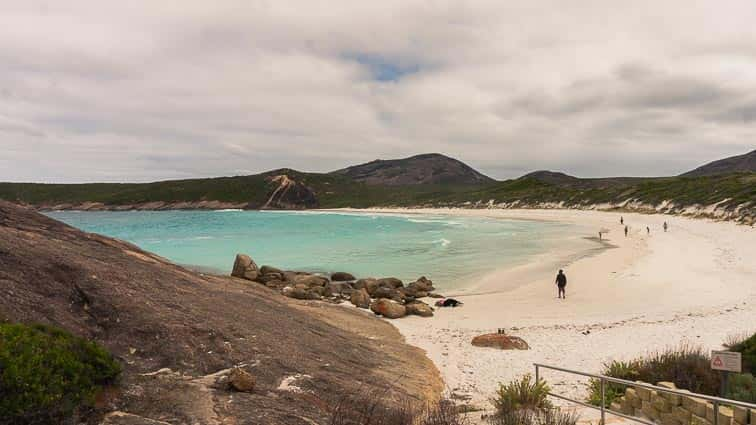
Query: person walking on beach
x=648 y=230
x=665 y=226
x=625 y=231
x=622 y=220
x=561 y=282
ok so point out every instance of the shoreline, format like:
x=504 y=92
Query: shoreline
x=645 y=293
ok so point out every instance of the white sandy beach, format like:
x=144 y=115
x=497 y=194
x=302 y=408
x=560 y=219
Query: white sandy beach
x=694 y=284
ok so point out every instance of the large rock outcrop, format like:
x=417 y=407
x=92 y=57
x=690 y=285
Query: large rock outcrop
x=289 y=194
x=178 y=332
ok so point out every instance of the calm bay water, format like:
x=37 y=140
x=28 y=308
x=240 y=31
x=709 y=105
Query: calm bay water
x=449 y=250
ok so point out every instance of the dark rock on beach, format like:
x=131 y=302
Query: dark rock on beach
x=418 y=308
x=342 y=277
x=360 y=298
x=388 y=308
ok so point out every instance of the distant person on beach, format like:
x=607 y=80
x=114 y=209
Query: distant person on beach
x=622 y=220
x=625 y=231
x=599 y=234
x=665 y=226
x=561 y=283
x=648 y=230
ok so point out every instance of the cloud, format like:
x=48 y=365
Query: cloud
x=146 y=90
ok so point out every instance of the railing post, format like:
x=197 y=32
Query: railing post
x=603 y=402
x=537 y=374
x=716 y=412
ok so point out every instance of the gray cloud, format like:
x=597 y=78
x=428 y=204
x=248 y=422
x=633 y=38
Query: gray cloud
x=147 y=90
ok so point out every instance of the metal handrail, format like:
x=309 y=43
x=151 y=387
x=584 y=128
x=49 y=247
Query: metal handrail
x=716 y=401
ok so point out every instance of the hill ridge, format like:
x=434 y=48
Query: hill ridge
x=733 y=164
x=426 y=168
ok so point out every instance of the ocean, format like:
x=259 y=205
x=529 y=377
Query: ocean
x=450 y=250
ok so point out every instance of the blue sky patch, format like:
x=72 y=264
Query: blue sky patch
x=384 y=69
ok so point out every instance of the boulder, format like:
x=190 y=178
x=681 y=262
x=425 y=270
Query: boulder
x=342 y=277
x=267 y=277
x=384 y=292
x=388 y=309
x=270 y=269
x=419 y=309
x=360 y=298
x=275 y=284
x=241 y=380
x=244 y=267
x=312 y=295
x=311 y=280
x=390 y=281
x=500 y=341
x=423 y=284
x=339 y=287
x=364 y=283
x=298 y=293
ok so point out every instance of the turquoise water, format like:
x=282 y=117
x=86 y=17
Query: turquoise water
x=452 y=251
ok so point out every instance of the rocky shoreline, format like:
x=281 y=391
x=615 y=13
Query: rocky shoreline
x=388 y=297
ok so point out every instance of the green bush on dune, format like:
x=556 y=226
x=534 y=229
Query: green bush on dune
x=524 y=394
x=47 y=374
x=688 y=367
x=525 y=402
x=743 y=386
x=747 y=348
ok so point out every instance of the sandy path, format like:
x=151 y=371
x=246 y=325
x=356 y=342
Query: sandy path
x=695 y=283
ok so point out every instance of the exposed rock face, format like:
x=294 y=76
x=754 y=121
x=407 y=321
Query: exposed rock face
x=241 y=380
x=288 y=194
x=342 y=277
x=501 y=341
x=154 y=315
x=244 y=267
x=389 y=309
x=429 y=168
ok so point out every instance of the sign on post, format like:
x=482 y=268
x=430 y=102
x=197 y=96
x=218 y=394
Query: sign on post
x=727 y=361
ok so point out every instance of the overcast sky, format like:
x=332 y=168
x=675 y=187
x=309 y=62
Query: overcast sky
x=147 y=90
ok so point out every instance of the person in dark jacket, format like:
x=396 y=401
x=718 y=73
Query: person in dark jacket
x=561 y=282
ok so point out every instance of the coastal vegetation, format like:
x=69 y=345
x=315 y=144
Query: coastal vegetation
x=374 y=408
x=524 y=402
x=523 y=394
x=688 y=367
x=47 y=374
x=427 y=180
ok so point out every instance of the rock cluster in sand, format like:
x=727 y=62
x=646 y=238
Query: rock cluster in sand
x=388 y=297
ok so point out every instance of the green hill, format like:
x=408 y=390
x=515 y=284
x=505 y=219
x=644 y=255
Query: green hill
x=734 y=194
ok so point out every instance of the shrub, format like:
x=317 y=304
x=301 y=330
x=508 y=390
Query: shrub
x=612 y=391
x=525 y=394
x=742 y=387
x=747 y=348
x=47 y=374
x=688 y=367
x=534 y=417
x=374 y=408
